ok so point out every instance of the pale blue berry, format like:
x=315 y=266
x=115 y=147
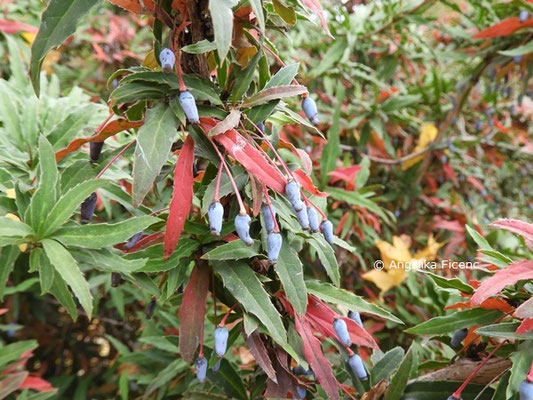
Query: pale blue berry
x=310 y=109
x=189 y=107
x=268 y=217
x=301 y=392
x=242 y=226
x=274 y=242
x=327 y=230
x=524 y=15
x=221 y=341
x=303 y=218
x=312 y=215
x=357 y=366
x=526 y=390
x=201 y=368
x=215 y=212
x=167 y=60
x=292 y=189
x=354 y=315
x=341 y=329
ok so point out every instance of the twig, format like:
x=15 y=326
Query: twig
x=114 y=159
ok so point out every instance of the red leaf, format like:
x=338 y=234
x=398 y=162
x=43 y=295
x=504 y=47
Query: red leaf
x=307 y=183
x=181 y=202
x=489 y=304
x=249 y=157
x=525 y=326
x=134 y=5
x=503 y=28
x=192 y=311
x=475 y=182
x=3 y=310
x=35 y=383
x=110 y=129
x=515 y=272
x=315 y=6
x=347 y=174
x=314 y=356
x=10 y=27
x=450 y=173
x=260 y=353
x=522 y=228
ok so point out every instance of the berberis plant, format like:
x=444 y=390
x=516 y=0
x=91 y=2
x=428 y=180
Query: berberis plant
x=199 y=219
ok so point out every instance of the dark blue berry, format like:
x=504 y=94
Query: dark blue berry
x=87 y=208
x=95 y=149
x=458 y=337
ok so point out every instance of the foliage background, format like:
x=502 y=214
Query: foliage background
x=398 y=78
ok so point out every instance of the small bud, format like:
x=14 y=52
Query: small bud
x=95 y=149
x=458 y=337
x=341 y=329
x=116 y=279
x=524 y=15
x=87 y=208
x=242 y=226
x=261 y=126
x=292 y=189
x=221 y=340
x=189 y=107
x=301 y=392
x=327 y=230
x=133 y=240
x=354 y=315
x=303 y=218
x=357 y=366
x=310 y=109
x=274 y=241
x=167 y=59
x=201 y=368
x=150 y=308
x=312 y=216
x=479 y=125
x=526 y=390
x=215 y=212
x=216 y=367
x=268 y=217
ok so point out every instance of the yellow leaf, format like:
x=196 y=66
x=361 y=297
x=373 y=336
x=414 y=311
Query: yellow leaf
x=28 y=37
x=11 y=194
x=428 y=133
x=430 y=252
x=386 y=280
x=150 y=61
x=23 y=246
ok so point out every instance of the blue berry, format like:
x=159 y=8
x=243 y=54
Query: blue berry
x=479 y=125
x=303 y=218
x=292 y=189
x=517 y=59
x=357 y=366
x=299 y=370
x=312 y=216
x=201 y=368
x=310 y=109
x=150 y=308
x=133 y=240
x=301 y=392
x=189 y=107
x=87 y=208
x=261 y=126
x=215 y=212
x=341 y=329
x=356 y=317
x=327 y=230
x=95 y=149
x=458 y=337
x=242 y=226
x=454 y=398
x=167 y=60
x=116 y=279
x=524 y=15
x=268 y=217
x=274 y=241
x=221 y=340
x=526 y=390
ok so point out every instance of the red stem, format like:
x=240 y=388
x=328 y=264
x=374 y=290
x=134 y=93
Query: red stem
x=457 y=393
x=269 y=204
x=280 y=62
x=201 y=352
x=308 y=201
x=223 y=320
x=114 y=159
x=214 y=295
x=217 y=185
x=177 y=53
x=530 y=375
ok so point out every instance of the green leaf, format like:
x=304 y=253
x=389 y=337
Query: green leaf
x=244 y=285
x=68 y=203
x=109 y=260
x=8 y=255
x=154 y=141
x=519 y=51
x=504 y=330
x=257 y=7
x=332 y=149
x=201 y=47
x=283 y=77
x=97 y=236
x=386 y=366
x=58 y=22
x=13 y=351
x=39 y=262
x=166 y=375
x=286 y=13
x=331 y=294
x=160 y=342
x=227 y=379
x=244 y=78
x=67 y=268
x=480 y=240
x=399 y=380
x=11 y=228
x=222 y=17
x=156 y=263
x=437 y=390
x=234 y=250
x=327 y=257
x=290 y=272
x=455 y=321
x=45 y=196
x=521 y=359
x=451 y=283
x=274 y=93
